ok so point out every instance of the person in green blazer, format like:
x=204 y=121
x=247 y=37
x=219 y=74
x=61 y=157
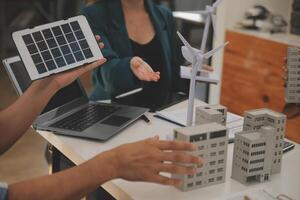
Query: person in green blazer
x=142 y=50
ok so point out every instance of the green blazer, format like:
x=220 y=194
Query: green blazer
x=106 y=19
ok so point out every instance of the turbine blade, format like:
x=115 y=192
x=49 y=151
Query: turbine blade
x=188 y=46
x=202 y=12
x=214 y=23
x=212 y=52
x=217 y=3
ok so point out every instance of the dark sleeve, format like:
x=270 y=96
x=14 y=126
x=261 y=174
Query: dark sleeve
x=177 y=58
x=115 y=75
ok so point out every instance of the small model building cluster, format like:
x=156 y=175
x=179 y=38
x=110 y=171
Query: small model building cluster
x=258 y=149
x=211 y=113
x=293 y=80
x=211 y=137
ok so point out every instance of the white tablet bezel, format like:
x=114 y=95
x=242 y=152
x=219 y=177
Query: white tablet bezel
x=26 y=57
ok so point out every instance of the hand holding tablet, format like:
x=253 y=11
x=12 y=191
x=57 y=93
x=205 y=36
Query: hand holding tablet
x=57 y=47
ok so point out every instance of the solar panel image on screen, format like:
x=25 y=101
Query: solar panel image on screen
x=55 y=47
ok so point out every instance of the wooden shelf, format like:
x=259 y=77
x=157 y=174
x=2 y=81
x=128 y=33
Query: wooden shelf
x=252 y=76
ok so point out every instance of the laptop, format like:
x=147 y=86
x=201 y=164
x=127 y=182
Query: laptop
x=71 y=113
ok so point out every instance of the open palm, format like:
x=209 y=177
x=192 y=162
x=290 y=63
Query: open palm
x=143 y=71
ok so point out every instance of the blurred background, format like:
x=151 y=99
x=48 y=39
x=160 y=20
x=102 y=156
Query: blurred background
x=259 y=31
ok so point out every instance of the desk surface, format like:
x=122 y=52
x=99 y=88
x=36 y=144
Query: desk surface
x=80 y=151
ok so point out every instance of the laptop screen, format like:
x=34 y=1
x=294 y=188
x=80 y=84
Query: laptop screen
x=62 y=97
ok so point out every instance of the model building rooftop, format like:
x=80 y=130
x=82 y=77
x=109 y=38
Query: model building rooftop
x=205 y=128
x=265 y=111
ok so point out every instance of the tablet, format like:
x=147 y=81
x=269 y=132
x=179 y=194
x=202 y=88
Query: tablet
x=56 y=47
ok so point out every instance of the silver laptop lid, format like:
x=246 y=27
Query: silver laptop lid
x=21 y=81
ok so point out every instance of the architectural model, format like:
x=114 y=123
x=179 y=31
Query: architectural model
x=211 y=113
x=253 y=155
x=258 y=149
x=256 y=119
x=212 y=140
x=198 y=56
x=292 y=93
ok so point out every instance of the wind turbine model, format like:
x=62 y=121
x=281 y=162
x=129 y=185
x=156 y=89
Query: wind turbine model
x=196 y=56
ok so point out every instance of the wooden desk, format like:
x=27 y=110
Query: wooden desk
x=252 y=74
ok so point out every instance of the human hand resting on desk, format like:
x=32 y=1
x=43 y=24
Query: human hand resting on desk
x=145 y=160
x=143 y=71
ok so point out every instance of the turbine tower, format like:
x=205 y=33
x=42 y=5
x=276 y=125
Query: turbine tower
x=197 y=56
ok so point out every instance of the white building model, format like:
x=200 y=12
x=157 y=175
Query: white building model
x=212 y=140
x=211 y=113
x=258 y=149
x=292 y=92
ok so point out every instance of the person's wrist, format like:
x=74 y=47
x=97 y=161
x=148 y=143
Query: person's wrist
x=107 y=163
x=46 y=87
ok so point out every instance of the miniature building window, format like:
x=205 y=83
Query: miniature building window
x=211 y=180
x=278 y=129
x=259 y=144
x=276 y=146
x=259 y=119
x=249 y=117
x=200 y=147
x=219 y=178
x=212 y=171
x=220 y=169
x=271 y=120
x=246 y=152
x=190 y=176
x=279 y=152
x=222 y=143
x=199 y=174
x=278 y=160
x=244 y=169
x=257 y=153
x=211 y=163
x=197 y=138
x=217 y=134
x=274 y=161
x=213 y=153
x=221 y=161
x=190 y=185
x=256 y=169
x=281 y=137
x=257 y=161
x=221 y=152
x=198 y=182
x=213 y=145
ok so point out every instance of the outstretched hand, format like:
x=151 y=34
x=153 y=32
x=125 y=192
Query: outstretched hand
x=145 y=160
x=143 y=71
x=63 y=79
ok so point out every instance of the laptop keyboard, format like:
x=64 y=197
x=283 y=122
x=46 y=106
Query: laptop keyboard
x=85 y=117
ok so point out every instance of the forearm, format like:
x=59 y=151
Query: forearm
x=16 y=119
x=70 y=184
